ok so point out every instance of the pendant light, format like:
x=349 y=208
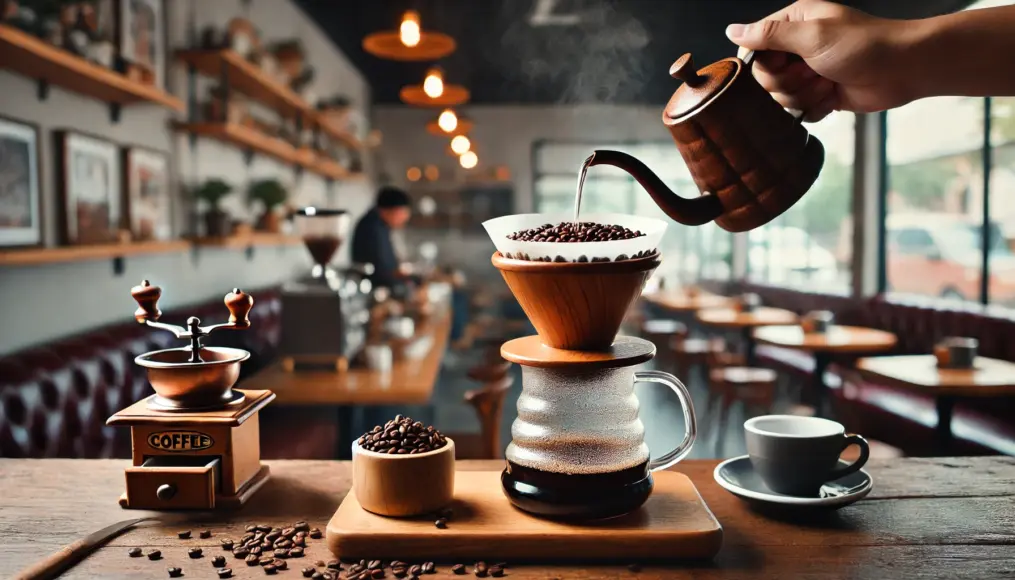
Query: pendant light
x=410 y=42
x=459 y=124
x=434 y=92
x=469 y=159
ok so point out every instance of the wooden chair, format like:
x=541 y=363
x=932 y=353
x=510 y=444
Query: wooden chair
x=691 y=352
x=488 y=402
x=750 y=385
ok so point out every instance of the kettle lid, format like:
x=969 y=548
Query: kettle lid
x=699 y=86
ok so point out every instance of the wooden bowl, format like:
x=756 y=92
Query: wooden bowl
x=404 y=485
x=576 y=305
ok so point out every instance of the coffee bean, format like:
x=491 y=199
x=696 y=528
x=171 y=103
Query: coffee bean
x=441 y=523
x=496 y=571
x=224 y=572
x=195 y=553
x=458 y=569
x=320 y=563
x=218 y=561
x=280 y=564
x=429 y=568
x=155 y=555
x=184 y=535
x=316 y=533
x=241 y=553
x=415 y=570
x=317 y=576
x=134 y=552
x=399 y=572
x=308 y=571
x=296 y=552
x=281 y=553
x=256 y=550
x=401 y=436
x=264 y=528
x=480 y=569
x=377 y=573
x=288 y=532
x=265 y=560
x=299 y=541
x=269 y=570
x=227 y=544
x=175 y=572
x=251 y=528
x=634 y=567
x=253 y=560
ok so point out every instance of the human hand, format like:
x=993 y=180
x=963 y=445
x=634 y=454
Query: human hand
x=848 y=60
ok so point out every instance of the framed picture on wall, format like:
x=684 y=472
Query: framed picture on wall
x=140 y=32
x=88 y=181
x=20 y=215
x=147 y=199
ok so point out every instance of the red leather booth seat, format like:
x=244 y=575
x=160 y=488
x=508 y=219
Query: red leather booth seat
x=905 y=418
x=55 y=398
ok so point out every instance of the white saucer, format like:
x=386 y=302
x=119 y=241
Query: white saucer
x=738 y=477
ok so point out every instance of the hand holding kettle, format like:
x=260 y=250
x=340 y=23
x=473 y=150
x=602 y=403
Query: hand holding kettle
x=818 y=56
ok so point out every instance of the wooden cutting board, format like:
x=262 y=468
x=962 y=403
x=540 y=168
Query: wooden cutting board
x=674 y=524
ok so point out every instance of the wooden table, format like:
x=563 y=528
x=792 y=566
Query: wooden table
x=925 y=518
x=746 y=322
x=409 y=382
x=681 y=301
x=988 y=378
x=837 y=340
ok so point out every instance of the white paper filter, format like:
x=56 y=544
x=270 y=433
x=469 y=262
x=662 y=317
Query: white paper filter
x=500 y=228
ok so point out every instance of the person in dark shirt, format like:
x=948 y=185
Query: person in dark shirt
x=371 y=240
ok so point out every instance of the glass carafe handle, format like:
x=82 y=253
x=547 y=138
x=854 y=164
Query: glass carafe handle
x=691 y=428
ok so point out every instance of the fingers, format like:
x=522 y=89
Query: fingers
x=777 y=74
x=824 y=108
x=812 y=98
x=795 y=37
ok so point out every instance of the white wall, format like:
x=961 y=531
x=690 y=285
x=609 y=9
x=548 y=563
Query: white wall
x=41 y=303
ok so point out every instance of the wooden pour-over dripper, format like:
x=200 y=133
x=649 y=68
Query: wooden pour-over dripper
x=195 y=442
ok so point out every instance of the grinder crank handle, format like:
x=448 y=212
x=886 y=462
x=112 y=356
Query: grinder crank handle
x=239 y=304
x=147 y=297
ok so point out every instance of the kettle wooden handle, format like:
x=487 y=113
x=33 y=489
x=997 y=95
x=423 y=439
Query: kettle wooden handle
x=747 y=55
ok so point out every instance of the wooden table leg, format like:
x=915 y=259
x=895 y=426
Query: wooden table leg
x=821 y=406
x=943 y=431
x=748 y=337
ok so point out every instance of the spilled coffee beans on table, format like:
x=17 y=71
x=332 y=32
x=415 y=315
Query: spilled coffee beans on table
x=402 y=436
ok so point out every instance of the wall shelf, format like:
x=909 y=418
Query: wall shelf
x=32 y=57
x=253 y=140
x=252 y=239
x=247 y=78
x=56 y=255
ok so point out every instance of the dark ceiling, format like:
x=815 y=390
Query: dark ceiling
x=618 y=52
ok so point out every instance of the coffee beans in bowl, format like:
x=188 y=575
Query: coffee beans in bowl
x=403 y=468
x=575 y=232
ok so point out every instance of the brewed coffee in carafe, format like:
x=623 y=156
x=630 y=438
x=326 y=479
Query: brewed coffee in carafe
x=323 y=231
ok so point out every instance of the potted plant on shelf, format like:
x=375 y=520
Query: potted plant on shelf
x=336 y=111
x=272 y=195
x=289 y=55
x=216 y=221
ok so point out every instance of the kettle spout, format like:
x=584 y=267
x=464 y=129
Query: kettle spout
x=690 y=212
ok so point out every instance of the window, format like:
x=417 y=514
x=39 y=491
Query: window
x=935 y=198
x=689 y=253
x=1001 y=289
x=811 y=245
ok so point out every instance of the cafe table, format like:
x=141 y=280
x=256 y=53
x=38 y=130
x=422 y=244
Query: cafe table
x=924 y=518
x=746 y=322
x=837 y=339
x=988 y=378
x=678 y=300
x=410 y=381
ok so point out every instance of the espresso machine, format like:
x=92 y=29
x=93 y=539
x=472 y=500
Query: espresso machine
x=324 y=314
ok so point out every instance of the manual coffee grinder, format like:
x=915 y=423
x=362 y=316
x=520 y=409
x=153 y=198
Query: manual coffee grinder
x=578 y=449
x=195 y=442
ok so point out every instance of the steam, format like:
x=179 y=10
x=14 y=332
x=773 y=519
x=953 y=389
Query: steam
x=597 y=60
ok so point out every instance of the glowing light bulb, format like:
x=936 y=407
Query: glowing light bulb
x=448 y=121
x=432 y=173
x=460 y=144
x=413 y=174
x=409 y=32
x=433 y=84
x=469 y=159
